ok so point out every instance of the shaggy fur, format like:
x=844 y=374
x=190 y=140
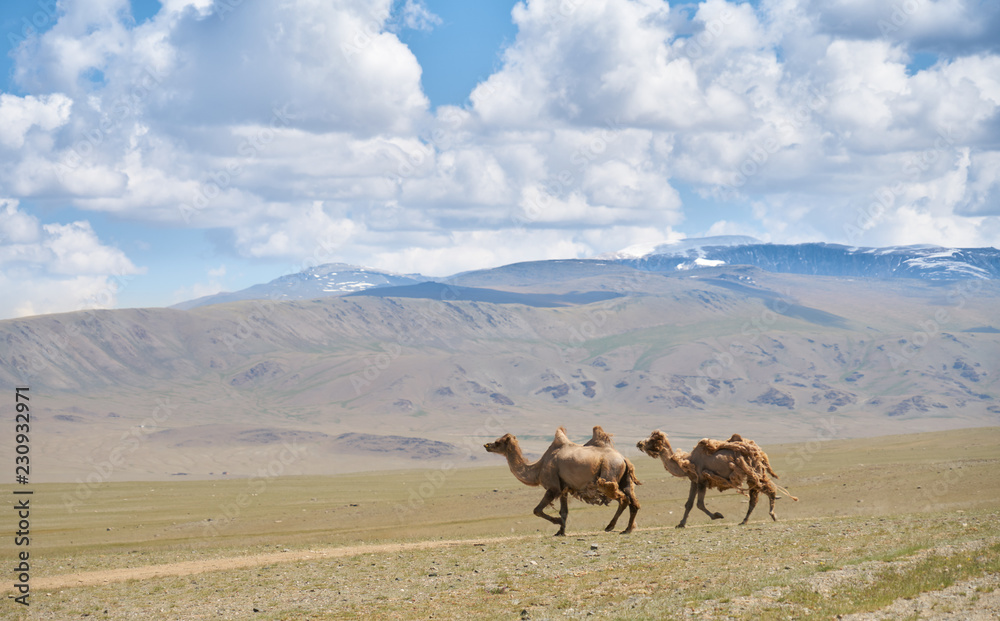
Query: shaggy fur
x=735 y=463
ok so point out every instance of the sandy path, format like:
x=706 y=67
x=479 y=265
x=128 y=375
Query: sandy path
x=91 y=578
x=186 y=568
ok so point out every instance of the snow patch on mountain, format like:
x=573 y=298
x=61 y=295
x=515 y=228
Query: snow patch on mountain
x=820 y=259
x=326 y=280
x=690 y=247
x=700 y=262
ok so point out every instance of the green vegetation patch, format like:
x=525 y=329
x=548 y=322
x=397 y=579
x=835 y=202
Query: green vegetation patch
x=932 y=573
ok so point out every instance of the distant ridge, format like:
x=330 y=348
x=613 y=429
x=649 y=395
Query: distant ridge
x=926 y=262
x=449 y=293
x=821 y=259
x=234 y=387
x=685 y=247
x=331 y=279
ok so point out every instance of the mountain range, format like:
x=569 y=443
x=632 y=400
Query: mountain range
x=330 y=279
x=922 y=262
x=376 y=374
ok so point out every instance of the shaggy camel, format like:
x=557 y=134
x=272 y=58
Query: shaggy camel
x=722 y=465
x=594 y=474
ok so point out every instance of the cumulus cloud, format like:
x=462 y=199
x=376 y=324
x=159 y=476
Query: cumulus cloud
x=42 y=296
x=479 y=250
x=56 y=267
x=16 y=227
x=982 y=187
x=19 y=114
x=297 y=132
x=948 y=26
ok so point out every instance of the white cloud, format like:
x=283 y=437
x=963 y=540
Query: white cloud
x=56 y=267
x=217 y=272
x=953 y=26
x=42 y=296
x=296 y=232
x=335 y=63
x=16 y=227
x=727 y=227
x=982 y=188
x=19 y=114
x=215 y=284
x=76 y=250
x=416 y=16
x=447 y=254
x=298 y=131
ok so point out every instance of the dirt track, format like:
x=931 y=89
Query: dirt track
x=973 y=598
x=186 y=568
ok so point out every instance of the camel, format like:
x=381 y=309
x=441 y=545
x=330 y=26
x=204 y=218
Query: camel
x=594 y=474
x=722 y=465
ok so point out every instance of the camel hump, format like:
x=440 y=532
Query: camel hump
x=561 y=438
x=709 y=444
x=600 y=438
x=735 y=443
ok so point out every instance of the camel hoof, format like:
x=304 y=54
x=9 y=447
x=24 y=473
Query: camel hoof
x=559 y=534
x=626 y=531
x=679 y=526
x=743 y=523
x=717 y=516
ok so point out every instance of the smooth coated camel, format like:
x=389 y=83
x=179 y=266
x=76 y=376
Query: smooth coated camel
x=594 y=474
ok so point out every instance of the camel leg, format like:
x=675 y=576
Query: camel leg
x=621 y=509
x=771 y=498
x=689 y=504
x=633 y=509
x=546 y=501
x=702 y=488
x=563 y=513
x=625 y=497
x=624 y=493
x=753 y=503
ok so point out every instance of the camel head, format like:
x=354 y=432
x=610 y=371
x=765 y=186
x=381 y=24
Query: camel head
x=501 y=445
x=655 y=444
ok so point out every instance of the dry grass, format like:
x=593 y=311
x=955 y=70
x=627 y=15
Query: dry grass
x=897 y=579
x=909 y=512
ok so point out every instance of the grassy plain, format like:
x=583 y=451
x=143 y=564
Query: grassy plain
x=879 y=522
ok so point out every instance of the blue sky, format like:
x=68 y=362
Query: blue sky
x=463 y=49
x=458 y=52
x=154 y=152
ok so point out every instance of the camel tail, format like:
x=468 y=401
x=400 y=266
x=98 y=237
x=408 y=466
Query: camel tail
x=630 y=472
x=785 y=492
x=760 y=454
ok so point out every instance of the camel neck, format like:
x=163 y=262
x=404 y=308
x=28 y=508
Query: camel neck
x=523 y=471
x=672 y=462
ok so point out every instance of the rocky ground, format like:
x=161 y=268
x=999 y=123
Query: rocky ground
x=849 y=568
